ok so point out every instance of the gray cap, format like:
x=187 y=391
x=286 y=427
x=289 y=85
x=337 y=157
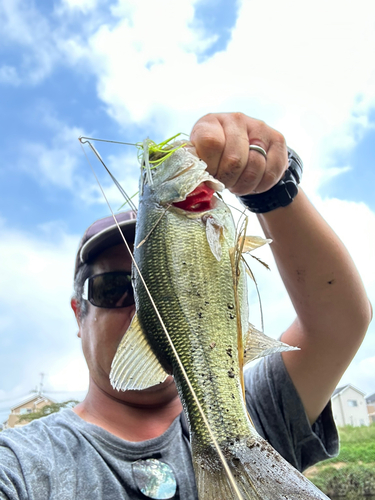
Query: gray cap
x=103 y=234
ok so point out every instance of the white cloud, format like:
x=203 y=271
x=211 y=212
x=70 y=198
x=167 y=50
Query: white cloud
x=302 y=74
x=56 y=164
x=24 y=26
x=69 y=373
x=354 y=223
x=36 y=284
x=45 y=41
x=9 y=75
x=124 y=167
x=361 y=373
x=63 y=163
x=82 y=5
x=310 y=76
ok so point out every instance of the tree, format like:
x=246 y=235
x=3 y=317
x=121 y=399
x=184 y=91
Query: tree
x=47 y=410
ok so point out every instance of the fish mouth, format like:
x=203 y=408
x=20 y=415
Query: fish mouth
x=199 y=200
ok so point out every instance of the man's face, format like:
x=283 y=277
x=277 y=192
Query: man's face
x=101 y=331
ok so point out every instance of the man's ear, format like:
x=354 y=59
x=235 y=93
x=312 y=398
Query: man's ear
x=77 y=313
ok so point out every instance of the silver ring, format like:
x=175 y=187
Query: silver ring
x=260 y=150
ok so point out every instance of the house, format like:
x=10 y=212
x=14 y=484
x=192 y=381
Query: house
x=349 y=406
x=370 y=400
x=29 y=405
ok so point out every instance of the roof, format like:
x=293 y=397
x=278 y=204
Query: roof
x=343 y=388
x=370 y=399
x=33 y=397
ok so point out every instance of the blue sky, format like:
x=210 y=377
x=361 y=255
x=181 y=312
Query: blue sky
x=124 y=70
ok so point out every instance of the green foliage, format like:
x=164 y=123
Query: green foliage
x=354 y=453
x=356 y=444
x=355 y=473
x=353 y=479
x=47 y=410
x=350 y=434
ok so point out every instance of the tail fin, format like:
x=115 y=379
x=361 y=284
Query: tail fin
x=260 y=473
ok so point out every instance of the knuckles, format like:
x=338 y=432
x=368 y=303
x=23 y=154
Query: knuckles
x=210 y=142
x=278 y=139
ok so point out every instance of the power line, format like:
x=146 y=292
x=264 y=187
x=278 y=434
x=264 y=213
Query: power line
x=15 y=398
x=64 y=392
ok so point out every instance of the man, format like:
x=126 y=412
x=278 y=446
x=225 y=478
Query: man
x=93 y=452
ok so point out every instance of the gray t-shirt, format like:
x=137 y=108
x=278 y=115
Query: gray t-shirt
x=62 y=457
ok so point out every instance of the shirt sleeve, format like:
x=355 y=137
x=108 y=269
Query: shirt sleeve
x=12 y=485
x=279 y=416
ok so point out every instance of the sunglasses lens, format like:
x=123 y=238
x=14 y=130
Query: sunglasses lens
x=111 y=290
x=154 y=479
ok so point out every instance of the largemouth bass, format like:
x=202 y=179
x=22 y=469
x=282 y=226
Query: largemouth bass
x=184 y=239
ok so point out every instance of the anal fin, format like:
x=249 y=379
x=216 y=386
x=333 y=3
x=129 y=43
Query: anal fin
x=135 y=366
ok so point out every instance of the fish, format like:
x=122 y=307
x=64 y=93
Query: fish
x=188 y=254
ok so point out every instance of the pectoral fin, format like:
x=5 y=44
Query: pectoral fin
x=135 y=366
x=214 y=234
x=252 y=242
x=259 y=345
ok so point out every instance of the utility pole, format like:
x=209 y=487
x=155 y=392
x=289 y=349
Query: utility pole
x=41 y=384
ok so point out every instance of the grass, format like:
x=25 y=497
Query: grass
x=352 y=472
x=352 y=479
x=357 y=444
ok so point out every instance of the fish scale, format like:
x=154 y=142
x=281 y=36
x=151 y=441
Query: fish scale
x=191 y=306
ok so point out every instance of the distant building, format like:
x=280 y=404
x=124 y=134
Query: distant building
x=29 y=405
x=349 y=406
x=370 y=401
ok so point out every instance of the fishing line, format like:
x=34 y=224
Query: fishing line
x=117 y=184
x=215 y=443
x=154 y=226
x=249 y=268
x=105 y=140
x=258 y=292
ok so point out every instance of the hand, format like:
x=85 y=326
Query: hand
x=222 y=141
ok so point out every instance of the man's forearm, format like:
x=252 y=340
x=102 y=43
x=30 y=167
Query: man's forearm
x=318 y=272
x=332 y=308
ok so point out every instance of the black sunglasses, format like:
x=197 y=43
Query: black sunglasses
x=110 y=290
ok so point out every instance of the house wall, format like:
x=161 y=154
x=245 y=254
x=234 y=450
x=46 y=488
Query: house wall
x=349 y=408
x=371 y=412
x=28 y=407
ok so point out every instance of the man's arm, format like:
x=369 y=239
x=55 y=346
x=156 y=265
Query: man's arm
x=333 y=311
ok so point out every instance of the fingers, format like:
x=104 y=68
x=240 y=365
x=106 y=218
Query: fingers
x=261 y=174
x=208 y=137
x=235 y=155
x=222 y=141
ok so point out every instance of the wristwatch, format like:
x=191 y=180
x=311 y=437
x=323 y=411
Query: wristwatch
x=280 y=195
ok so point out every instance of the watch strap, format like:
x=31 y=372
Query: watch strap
x=280 y=195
